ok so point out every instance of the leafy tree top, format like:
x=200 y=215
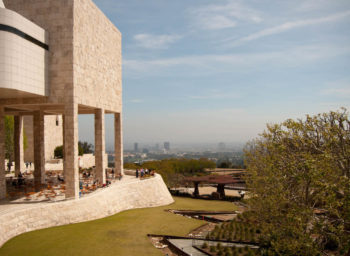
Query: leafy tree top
x=299 y=178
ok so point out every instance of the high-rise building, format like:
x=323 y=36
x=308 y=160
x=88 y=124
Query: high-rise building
x=136 y=147
x=167 y=145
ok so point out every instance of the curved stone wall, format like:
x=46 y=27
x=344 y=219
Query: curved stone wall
x=119 y=197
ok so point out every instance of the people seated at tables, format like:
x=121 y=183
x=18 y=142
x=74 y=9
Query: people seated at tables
x=20 y=179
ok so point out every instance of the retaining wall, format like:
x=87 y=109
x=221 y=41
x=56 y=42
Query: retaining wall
x=121 y=196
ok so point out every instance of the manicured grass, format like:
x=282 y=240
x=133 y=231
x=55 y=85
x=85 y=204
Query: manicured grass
x=120 y=234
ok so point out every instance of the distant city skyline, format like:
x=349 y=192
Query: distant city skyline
x=203 y=71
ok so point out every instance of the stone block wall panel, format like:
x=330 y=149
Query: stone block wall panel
x=100 y=147
x=18 y=144
x=2 y=154
x=28 y=128
x=118 y=143
x=71 y=172
x=53 y=136
x=39 y=148
x=97 y=58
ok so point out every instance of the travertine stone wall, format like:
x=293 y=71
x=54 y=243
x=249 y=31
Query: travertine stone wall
x=100 y=148
x=39 y=148
x=85 y=161
x=18 y=144
x=28 y=129
x=71 y=171
x=119 y=197
x=53 y=136
x=2 y=154
x=97 y=58
x=118 y=144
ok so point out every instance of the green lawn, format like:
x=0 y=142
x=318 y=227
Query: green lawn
x=120 y=234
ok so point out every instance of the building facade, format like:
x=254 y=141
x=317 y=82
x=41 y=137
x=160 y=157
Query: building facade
x=59 y=58
x=53 y=136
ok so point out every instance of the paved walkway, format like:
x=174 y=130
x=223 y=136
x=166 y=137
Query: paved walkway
x=186 y=245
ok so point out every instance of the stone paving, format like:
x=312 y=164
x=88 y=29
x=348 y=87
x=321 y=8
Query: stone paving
x=187 y=245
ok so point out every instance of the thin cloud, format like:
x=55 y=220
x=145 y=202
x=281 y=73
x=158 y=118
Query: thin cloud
x=288 y=26
x=150 y=41
x=217 y=22
x=215 y=96
x=214 y=17
x=136 y=101
x=294 y=56
x=338 y=92
x=312 y=5
x=338 y=88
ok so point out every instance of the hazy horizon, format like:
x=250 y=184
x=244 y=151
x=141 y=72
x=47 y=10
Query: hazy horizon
x=203 y=71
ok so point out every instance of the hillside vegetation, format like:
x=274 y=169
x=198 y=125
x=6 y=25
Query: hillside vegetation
x=174 y=170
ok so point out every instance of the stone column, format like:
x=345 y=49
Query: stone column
x=100 y=146
x=18 y=145
x=63 y=143
x=2 y=154
x=39 y=148
x=71 y=172
x=118 y=144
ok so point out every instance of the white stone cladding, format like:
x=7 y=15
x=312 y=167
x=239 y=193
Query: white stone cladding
x=53 y=137
x=121 y=196
x=23 y=64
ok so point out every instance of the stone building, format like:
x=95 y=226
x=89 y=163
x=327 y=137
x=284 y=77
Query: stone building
x=53 y=136
x=59 y=58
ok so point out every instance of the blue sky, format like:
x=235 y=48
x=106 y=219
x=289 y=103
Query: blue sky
x=210 y=71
